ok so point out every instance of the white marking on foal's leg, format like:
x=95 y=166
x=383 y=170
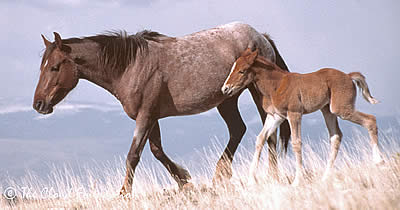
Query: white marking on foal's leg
x=271 y=124
x=376 y=155
x=335 y=143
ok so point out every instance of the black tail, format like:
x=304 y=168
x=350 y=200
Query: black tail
x=284 y=129
x=279 y=59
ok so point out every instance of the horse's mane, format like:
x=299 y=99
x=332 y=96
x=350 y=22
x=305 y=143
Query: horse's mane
x=118 y=49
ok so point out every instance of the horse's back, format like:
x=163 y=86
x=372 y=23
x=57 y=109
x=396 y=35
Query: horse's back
x=196 y=65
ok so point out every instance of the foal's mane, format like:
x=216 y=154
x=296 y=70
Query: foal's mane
x=267 y=64
x=118 y=49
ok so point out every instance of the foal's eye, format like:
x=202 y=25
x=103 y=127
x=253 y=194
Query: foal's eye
x=54 y=68
x=241 y=72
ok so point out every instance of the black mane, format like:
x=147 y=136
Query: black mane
x=118 y=49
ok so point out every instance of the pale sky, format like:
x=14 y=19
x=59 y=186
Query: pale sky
x=350 y=35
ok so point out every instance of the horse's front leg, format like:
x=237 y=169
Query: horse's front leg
x=144 y=124
x=231 y=115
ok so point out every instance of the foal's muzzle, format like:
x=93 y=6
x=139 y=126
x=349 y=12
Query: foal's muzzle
x=42 y=107
x=227 y=89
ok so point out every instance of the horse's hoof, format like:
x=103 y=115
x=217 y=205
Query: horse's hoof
x=188 y=187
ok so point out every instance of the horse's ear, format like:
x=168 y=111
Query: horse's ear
x=58 y=40
x=252 y=57
x=46 y=42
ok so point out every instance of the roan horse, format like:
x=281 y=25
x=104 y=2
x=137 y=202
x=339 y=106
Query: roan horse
x=155 y=76
x=290 y=95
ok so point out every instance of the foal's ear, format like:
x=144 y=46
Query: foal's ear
x=246 y=52
x=252 y=57
x=58 y=40
x=46 y=42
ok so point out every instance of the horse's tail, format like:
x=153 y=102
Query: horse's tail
x=362 y=84
x=284 y=129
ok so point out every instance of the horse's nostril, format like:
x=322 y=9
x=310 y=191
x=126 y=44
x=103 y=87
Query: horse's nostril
x=39 y=105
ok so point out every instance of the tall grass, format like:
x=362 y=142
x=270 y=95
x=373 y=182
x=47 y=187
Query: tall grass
x=356 y=183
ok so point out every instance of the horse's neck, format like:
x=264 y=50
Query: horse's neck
x=91 y=68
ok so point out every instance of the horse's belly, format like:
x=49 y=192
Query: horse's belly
x=192 y=104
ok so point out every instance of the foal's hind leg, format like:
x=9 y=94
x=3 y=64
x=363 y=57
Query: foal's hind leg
x=368 y=122
x=269 y=130
x=180 y=174
x=295 y=127
x=230 y=113
x=335 y=138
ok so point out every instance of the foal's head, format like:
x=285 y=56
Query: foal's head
x=58 y=75
x=240 y=75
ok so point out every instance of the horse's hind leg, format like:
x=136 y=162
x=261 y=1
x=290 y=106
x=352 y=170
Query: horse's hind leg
x=180 y=174
x=368 y=122
x=230 y=113
x=335 y=136
x=269 y=129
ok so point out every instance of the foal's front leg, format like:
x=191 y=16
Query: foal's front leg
x=295 y=127
x=271 y=124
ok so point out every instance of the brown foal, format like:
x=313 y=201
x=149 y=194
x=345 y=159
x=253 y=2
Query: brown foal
x=290 y=95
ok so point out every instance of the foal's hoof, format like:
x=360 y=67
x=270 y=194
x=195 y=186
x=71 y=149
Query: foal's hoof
x=380 y=163
x=252 y=181
x=125 y=196
x=297 y=181
x=125 y=192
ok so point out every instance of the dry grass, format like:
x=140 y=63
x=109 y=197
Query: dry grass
x=355 y=184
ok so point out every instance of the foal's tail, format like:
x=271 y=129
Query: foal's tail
x=362 y=84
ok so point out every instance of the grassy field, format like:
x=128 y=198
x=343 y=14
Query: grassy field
x=355 y=184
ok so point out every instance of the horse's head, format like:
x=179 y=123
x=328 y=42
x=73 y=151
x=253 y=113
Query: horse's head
x=240 y=75
x=58 y=75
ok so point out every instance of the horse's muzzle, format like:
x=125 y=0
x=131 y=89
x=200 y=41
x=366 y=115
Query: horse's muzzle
x=42 y=107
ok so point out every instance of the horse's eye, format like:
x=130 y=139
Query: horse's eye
x=54 y=68
x=241 y=72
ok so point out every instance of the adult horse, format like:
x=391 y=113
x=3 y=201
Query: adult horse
x=156 y=76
